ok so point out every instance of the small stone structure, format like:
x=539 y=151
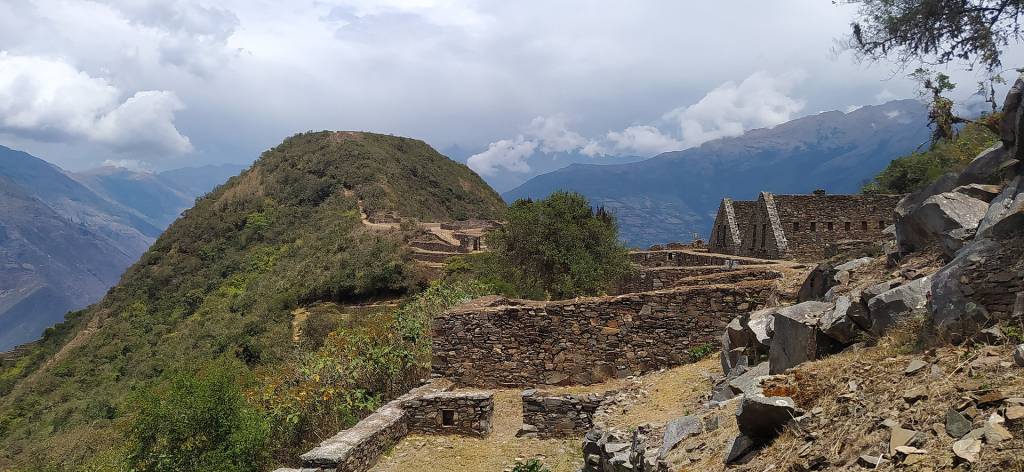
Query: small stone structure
x=465 y=413
x=799 y=226
x=585 y=340
x=558 y=416
x=426 y=409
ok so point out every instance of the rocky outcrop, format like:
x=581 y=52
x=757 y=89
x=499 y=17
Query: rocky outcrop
x=888 y=308
x=938 y=215
x=797 y=338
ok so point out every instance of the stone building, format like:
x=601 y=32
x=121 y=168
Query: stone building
x=799 y=226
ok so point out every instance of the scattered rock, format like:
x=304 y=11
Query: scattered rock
x=957 y=425
x=871 y=461
x=985 y=193
x=996 y=433
x=915 y=366
x=1014 y=413
x=763 y=418
x=967 y=449
x=749 y=383
x=678 y=430
x=1018 y=355
x=739 y=450
x=915 y=394
x=904 y=437
x=936 y=216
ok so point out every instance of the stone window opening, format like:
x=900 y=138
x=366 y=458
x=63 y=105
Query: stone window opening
x=814 y=226
x=881 y=224
x=829 y=225
x=796 y=226
x=846 y=226
x=863 y=225
x=448 y=418
x=764 y=235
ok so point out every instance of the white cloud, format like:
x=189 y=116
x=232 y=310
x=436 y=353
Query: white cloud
x=761 y=100
x=642 y=140
x=554 y=134
x=48 y=99
x=508 y=154
x=129 y=164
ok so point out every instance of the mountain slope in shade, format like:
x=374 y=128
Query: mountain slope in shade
x=66 y=238
x=673 y=195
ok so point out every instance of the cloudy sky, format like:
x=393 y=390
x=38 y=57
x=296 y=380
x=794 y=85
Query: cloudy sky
x=160 y=84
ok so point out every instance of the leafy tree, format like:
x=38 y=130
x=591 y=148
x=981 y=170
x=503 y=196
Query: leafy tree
x=558 y=247
x=197 y=422
x=936 y=31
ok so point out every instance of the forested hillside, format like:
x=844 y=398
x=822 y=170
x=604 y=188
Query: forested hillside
x=222 y=282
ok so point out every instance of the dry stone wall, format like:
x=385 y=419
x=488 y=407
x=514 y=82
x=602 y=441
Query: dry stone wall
x=557 y=416
x=657 y=278
x=464 y=413
x=686 y=258
x=587 y=340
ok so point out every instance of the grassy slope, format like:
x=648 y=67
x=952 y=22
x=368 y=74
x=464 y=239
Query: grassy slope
x=222 y=280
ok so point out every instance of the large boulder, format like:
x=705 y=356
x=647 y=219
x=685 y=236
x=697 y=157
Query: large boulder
x=907 y=230
x=797 y=338
x=936 y=216
x=888 y=308
x=746 y=339
x=824 y=278
x=837 y=323
x=763 y=418
x=1011 y=121
x=984 y=283
x=748 y=382
x=984 y=169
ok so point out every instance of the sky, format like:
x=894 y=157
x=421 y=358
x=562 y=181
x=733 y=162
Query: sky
x=160 y=84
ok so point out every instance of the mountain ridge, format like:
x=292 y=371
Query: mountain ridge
x=670 y=196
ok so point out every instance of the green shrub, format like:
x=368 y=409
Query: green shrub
x=197 y=421
x=700 y=352
x=532 y=465
x=909 y=173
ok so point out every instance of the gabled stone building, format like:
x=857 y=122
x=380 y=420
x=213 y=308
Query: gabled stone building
x=799 y=227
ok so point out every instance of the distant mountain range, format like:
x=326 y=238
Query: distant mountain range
x=675 y=194
x=65 y=238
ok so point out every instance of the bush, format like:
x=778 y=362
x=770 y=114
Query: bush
x=197 y=422
x=532 y=465
x=701 y=352
x=913 y=172
x=557 y=248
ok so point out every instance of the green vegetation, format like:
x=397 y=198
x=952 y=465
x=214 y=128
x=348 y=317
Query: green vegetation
x=554 y=248
x=910 y=173
x=219 y=288
x=532 y=465
x=197 y=422
x=702 y=352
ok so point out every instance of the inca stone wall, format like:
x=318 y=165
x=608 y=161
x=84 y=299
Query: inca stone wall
x=731 y=223
x=586 y=340
x=425 y=409
x=800 y=227
x=558 y=416
x=730 y=277
x=647 y=279
x=684 y=258
x=464 y=413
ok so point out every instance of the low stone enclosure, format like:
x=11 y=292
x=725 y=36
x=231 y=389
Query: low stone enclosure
x=428 y=409
x=558 y=416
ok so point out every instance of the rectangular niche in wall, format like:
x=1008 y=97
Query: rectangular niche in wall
x=447 y=417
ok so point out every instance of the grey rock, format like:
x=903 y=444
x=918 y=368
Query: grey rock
x=908 y=230
x=677 y=430
x=953 y=241
x=878 y=289
x=817 y=283
x=957 y=425
x=854 y=264
x=797 y=338
x=940 y=214
x=1010 y=120
x=739 y=449
x=985 y=193
x=837 y=324
x=1006 y=206
x=762 y=325
x=984 y=169
x=915 y=366
x=896 y=304
x=1018 y=355
x=749 y=382
x=763 y=418
x=870 y=461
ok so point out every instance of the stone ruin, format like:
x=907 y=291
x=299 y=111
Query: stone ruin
x=800 y=227
x=548 y=415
